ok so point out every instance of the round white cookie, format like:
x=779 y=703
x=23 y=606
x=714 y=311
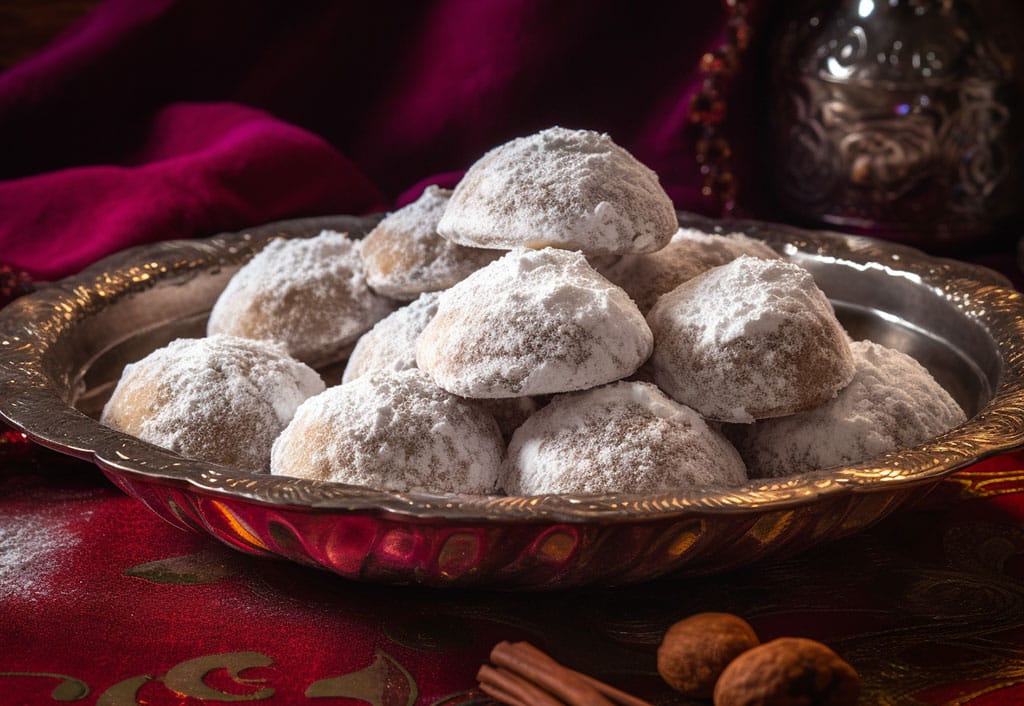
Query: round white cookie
x=534 y=322
x=310 y=294
x=748 y=340
x=573 y=189
x=892 y=403
x=391 y=343
x=392 y=431
x=405 y=256
x=690 y=252
x=221 y=399
x=627 y=437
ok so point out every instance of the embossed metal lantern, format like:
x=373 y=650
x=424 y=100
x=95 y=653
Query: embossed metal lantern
x=896 y=116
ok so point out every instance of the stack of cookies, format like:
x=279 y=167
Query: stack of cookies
x=559 y=334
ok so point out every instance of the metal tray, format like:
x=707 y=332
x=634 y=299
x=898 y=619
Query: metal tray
x=62 y=350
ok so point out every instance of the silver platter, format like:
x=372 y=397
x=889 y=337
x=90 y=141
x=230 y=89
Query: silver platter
x=62 y=350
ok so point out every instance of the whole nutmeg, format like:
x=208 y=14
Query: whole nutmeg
x=789 y=671
x=694 y=651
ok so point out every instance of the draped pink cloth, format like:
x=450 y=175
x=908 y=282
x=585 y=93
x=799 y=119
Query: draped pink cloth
x=155 y=119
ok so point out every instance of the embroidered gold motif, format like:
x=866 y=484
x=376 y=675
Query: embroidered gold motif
x=69 y=689
x=207 y=566
x=987 y=484
x=186 y=679
x=383 y=683
x=124 y=692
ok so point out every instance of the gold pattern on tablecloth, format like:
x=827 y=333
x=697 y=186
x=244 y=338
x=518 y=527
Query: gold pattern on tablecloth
x=124 y=692
x=203 y=567
x=187 y=678
x=987 y=484
x=69 y=688
x=384 y=683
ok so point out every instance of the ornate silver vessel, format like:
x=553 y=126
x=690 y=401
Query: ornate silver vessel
x=896 y=116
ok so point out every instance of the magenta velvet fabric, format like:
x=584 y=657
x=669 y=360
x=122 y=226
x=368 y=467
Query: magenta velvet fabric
x=154 y=119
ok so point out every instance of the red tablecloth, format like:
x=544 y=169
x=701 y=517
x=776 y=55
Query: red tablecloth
x=102 y=603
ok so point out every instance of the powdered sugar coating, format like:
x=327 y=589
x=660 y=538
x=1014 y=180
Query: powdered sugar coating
x=690 y=252
x=573 y=189
x=534 y=322
x=405 y=256
x=391 y=343
x=749 y=340
x=222 y=399
x=308 y=293
x=892 y=402
x=392 y=431
x=627 y=437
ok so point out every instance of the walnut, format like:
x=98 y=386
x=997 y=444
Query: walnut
x=789 y=671
x=694 y=651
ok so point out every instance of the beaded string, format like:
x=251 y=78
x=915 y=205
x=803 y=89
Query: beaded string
x=708 y=109
x=13 y=283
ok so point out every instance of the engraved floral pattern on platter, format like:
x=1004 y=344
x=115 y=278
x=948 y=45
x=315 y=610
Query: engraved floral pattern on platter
x=895 y=117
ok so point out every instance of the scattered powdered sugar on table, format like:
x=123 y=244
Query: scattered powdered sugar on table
x=747 y=340
x=573 y=189
x=892 y=402
x=405 y=256
x=392 y=430
x=647 y=276
x=627 y=437
x=308 y=293
x=534 y=322
x=31 y=549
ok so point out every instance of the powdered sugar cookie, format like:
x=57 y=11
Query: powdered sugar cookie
x=405 y=256
x=627 y=437
x=690 y=252
x=391 y=343
x=892 y=402
x=221 y=399
x=573 y=189
x=749 y=340
x=310 y=294
x=394 y=431
x=534 y=322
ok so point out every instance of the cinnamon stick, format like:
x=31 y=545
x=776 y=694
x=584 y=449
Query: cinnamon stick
x=547 y=673
x=512 y=689
x=617 y=696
